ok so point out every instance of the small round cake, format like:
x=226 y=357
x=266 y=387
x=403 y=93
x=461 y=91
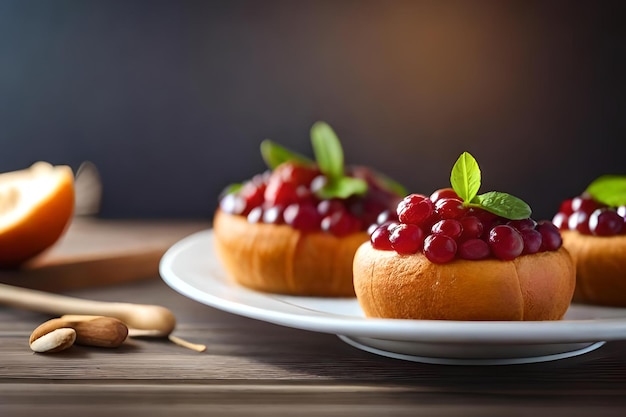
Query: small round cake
x=457 y=255
x=593 y=226
x=294 y=229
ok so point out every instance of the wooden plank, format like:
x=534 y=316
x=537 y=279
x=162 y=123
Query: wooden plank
x=97 y=252
x=295 y=406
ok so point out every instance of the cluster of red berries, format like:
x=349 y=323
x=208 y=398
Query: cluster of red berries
x=444 y=229
x=288 y=195
x=590 y=217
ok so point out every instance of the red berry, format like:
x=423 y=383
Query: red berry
x=386 y=216
x=472 y=228
x=391 y=225
x=415 y=209
x=524 y=224
x=252 y=193
x=371 y=228
x=566 y=207
x=560 y=221
x=280 y=193
x=366 y=208
x=532 y=241
x=296 y=173
x=605 y=222
x=584 y=203
x=305 y=195
x=473 y=249
x=340 y=223
x=326 y=207
x=621 y=210
x=406 y=239
x=439 y=248
x=302 y=216
x=261 y=179
x=550 y=236
x=443 y=193
x=450 y=208
x=488 y=220
x=255 y=215
x=288 y=182
x=380 y=238
x=273 y=215
x=579 y=220
x=232 y=204
x=449 y=227
x=505 y=242
x=318 y=183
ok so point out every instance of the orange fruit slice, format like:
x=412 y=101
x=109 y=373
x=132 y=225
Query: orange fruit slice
x=36 y=206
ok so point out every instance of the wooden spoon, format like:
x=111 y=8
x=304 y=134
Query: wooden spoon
x=141 y=319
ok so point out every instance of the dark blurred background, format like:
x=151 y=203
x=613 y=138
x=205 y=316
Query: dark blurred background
x=170 y=99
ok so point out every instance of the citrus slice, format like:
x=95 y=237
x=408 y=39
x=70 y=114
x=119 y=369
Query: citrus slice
x=36 y=206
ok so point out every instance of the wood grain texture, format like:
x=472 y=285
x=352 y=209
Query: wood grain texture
x=95 y=252
x=256 y=368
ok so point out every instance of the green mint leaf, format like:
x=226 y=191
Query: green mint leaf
x=343 y=187
x=465 y=180
x=503 y=204
x=465 y=177
x=274 y=154
x=233 y=188
x=328 y=151
x=609 y=190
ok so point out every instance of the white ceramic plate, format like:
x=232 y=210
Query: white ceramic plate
x=191 y=268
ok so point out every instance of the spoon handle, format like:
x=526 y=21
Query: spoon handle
x=155 y=318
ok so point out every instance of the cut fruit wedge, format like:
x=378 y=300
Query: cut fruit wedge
x=36 y=206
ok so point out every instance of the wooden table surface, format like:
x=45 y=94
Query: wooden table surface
x=255 y=368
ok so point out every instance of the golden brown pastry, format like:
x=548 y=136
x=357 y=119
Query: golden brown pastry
x=593 y=226
x=457 y=255
x=281 y=259
x=295 y=230
x=530 y=287
x=600 y=268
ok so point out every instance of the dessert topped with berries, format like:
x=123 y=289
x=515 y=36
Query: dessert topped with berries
x=593 y=226
x=294 y=229
x=460 y=255
x=599 y=211
x=458 y=223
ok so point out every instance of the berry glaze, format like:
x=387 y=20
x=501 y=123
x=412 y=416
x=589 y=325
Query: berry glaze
x=589 y=217
x=287 y=196
x=443 y=229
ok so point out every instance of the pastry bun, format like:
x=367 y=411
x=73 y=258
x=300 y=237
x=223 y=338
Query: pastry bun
x=531 y=287
x=281 y=259
x=600 y=267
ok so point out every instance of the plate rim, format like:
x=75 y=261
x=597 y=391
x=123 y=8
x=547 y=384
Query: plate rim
x=436 y=331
